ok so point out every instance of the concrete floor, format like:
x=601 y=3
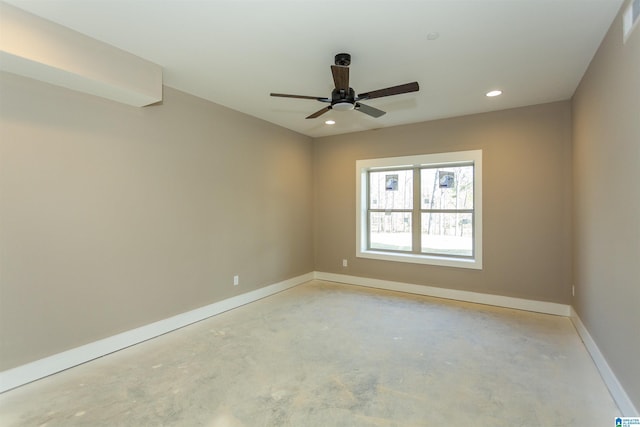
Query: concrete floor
x=327 y=355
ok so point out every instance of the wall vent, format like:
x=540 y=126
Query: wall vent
x=630 y=18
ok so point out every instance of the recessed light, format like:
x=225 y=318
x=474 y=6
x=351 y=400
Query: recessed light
x=330 y=122
x=494 y=93
x=433 y=36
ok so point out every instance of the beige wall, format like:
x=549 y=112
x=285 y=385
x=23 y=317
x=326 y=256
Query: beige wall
x=526 y=187
x=606 y=113
x=112 y=217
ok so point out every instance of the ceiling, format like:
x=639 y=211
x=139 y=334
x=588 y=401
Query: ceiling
x=236 y=52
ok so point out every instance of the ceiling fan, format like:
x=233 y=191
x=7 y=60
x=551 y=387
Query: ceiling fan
x=344 y=98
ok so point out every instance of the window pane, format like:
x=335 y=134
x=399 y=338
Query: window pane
x=447 y=188
x=447 y=233
x=391 y=189
x=391 y=231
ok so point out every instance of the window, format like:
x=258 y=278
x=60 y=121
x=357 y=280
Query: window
x=630 y=18
x=423 y=209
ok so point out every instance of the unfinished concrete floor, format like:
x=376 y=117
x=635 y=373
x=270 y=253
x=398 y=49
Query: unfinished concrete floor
x=324 y=354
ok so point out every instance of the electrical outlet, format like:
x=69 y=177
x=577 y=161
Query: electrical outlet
x=345 y=263
x=236 y=280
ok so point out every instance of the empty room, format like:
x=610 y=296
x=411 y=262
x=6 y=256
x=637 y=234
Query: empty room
x=340 y=213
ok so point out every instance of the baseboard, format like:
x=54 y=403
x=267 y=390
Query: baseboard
x=467 y=296
x=615 y=388
x=24 y=374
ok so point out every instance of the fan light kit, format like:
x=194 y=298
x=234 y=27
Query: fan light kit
x=342 y=106
x=344 y=98
x=330 y=122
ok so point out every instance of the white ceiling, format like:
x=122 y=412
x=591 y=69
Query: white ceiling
x=235 y=52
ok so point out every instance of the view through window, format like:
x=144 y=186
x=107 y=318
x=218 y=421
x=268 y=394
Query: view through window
x=421 y=209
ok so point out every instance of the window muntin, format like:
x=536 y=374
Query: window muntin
x=421 y=209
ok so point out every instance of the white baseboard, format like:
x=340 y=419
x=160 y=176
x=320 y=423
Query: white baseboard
x=24 y=374
x=467 y=296
x=615 y=388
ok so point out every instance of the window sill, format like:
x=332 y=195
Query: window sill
x=475 y=264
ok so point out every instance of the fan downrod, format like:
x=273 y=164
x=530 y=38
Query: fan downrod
x=343 y=59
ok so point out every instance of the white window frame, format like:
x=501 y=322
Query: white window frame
x=438 y=159
x=628 y=22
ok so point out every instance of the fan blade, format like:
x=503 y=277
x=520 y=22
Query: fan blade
x=394 y=90
x=317 y=98
x=340 y=77
x=319 y=112
x=373 y=112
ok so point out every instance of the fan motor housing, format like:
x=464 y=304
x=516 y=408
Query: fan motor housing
x=343 y=101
